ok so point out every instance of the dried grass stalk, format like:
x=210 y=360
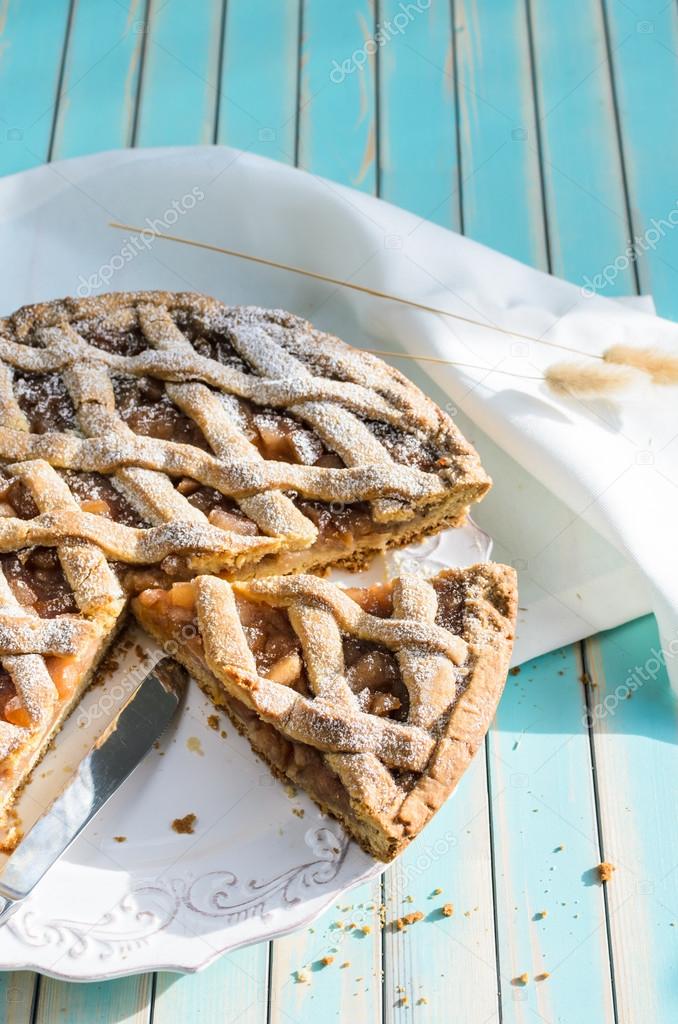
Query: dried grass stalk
x=591 y=380
x=662 y=366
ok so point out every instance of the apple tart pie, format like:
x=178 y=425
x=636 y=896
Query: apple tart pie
x=149 y=438
x=373 y=701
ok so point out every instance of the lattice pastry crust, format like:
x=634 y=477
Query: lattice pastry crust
x=374 y=701
x=148 y=437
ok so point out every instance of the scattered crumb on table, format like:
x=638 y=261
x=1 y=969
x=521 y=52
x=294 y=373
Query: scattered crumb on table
x=402 y=922
x=119 y=839
x=605 y=870
x=520 y=980
x=184 y=826
x=213 y=722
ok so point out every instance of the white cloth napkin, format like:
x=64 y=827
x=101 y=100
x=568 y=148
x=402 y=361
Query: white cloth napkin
x=586 y=493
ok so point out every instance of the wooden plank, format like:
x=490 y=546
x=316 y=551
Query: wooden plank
x=546 y=842
x=635 y=729
x=28 y=44
x=442 y=962
x=101 y=75
x=583 y=176
x=304 y=988
x=121 y=1001
x=233 y=989
x=643 y=40
x=540 y=785
x=337 y=114
x=258 y=101
x=500 y=177
x=417 y=112
x=17 y=993
x=180 y=82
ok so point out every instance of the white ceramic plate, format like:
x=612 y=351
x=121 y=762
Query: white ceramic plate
x=259 y=863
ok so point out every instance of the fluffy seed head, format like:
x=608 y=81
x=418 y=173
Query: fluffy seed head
x=591 y=380
x=662 y=366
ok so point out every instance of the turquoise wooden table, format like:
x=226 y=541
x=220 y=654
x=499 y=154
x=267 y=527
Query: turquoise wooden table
x=549 y=131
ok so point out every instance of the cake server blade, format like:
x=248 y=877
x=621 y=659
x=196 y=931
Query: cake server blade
x=113 y=757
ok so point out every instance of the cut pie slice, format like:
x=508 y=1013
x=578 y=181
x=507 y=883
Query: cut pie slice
x=60 y=607
x=373 y=701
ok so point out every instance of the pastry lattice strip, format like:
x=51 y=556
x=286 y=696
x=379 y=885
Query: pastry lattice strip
x=339 y=428
x=354 y=741
x=273 y=512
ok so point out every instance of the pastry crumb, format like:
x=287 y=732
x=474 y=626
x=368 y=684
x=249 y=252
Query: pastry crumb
x=437 y=891
x=402 y=922
x=185 y=826
x=346 y=963
x=541 y=914
x=327 y=960
x=422 y=1001
x=542 y=977
x=213 y=722
x=303 y=977
x=605 y=870
x=195 y=746
x=447 y=909
x=119 y=839
x=366 y=929
x=521 y=980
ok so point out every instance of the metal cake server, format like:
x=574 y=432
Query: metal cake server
x=115 y=754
